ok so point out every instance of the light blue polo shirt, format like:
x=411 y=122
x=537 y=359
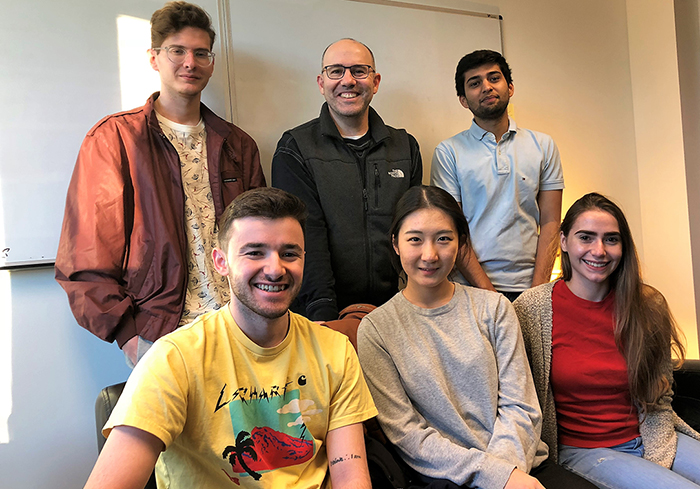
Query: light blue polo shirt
x=497 y=184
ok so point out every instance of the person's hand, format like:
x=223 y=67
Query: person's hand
x=520 y=480
x=131 y=349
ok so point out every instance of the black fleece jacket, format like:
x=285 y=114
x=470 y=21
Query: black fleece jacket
x=350 y=203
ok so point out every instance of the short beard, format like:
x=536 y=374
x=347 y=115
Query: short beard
x=249 y=304
x=245 y=298
x=492 y=113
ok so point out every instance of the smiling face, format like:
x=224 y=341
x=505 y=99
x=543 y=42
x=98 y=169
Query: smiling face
x=348 y=98
x=264 y=265
x=594 y=247
x=427 y=244
x=486 y=92
x=186 y=78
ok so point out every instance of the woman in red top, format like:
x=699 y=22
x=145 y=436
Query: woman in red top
x=599 y=343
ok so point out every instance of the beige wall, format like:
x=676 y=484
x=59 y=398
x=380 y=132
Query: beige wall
x=572 y=80
x=661 y=158
x=688 y=36
x=582 y=74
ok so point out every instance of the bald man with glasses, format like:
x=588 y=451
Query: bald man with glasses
x=350 y=169
x=147 y=190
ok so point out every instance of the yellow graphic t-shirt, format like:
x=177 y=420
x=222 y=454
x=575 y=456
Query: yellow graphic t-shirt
x=231 y=413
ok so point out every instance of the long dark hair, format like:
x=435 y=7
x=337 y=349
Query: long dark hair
x=645 y=330
x=428 y=197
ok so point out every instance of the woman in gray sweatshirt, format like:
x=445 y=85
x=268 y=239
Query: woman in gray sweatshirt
x=446 y=364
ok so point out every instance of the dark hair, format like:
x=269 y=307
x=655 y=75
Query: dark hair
x=265 y=202
x=475 y=60
x=427 y=197
x=174 y=17
x=645 y=331
x=348 y=39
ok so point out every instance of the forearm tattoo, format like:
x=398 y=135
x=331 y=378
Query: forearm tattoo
x=344 y=459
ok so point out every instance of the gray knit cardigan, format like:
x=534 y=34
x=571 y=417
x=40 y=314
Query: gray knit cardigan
x=658 y=428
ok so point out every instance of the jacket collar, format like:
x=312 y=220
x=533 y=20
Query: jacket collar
x=377 y=127
x=211 y=120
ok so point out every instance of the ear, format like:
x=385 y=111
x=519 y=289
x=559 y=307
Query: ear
x=562 y=242
x=511 y=90
x=220 y=264
x=319 y=80
x=463 y=101
x=152 y=59
x=377 y=79
x=394 y=244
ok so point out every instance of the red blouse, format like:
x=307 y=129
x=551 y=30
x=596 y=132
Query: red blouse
x=589 y=374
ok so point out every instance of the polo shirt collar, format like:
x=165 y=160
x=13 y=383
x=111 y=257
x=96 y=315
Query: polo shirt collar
x=211 y=120
x=478 y=132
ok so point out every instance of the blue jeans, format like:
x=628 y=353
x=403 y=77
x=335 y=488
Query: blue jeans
x=622 y=466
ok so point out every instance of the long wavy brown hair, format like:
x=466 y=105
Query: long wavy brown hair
x=645 y=331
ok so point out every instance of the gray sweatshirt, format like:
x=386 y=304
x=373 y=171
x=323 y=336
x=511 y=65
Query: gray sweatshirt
x=453 y=387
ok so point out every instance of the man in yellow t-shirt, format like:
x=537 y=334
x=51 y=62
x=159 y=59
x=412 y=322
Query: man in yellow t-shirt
x=250 y=395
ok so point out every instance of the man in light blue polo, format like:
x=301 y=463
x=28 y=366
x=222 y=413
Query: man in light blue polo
x=508 y=180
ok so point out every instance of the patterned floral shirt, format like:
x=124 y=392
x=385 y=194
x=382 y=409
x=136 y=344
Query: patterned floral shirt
x=206 y=289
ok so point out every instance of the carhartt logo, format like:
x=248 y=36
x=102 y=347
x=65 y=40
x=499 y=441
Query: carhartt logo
x=396 y=173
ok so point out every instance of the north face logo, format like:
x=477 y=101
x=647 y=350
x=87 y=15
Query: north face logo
x=396 y=173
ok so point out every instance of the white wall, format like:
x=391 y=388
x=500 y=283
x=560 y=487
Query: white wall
x=573 y=79
x=57 y=370
x=272 y=59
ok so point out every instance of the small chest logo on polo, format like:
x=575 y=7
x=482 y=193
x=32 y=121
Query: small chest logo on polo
x=396 y=173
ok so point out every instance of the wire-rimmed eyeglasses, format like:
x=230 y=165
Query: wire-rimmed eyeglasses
x=177 y=54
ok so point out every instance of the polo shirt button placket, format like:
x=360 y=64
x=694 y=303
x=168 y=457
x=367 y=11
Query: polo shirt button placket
x=501 y=161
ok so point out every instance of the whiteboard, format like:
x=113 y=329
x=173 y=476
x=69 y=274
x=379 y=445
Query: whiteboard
x=276 y=50
x=61 y=74
x=64 y=70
